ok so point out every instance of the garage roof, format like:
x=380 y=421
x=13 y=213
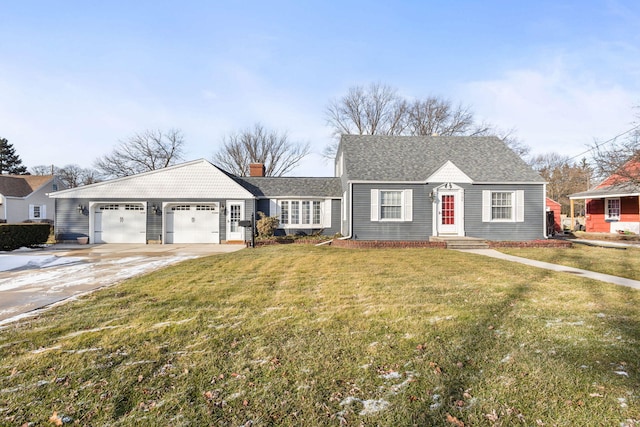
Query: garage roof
x=191 y=180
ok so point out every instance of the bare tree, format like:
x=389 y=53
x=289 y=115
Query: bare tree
x=563 y=176
x=435 y=116
x=378 y=110
x=75 y=176
x=259 y=145
x=43 y=170
x=71 y=176
x=374 y=110
x=142 y=152
x=618 y=161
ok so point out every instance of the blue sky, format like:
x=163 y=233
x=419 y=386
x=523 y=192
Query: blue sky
x=77 y=77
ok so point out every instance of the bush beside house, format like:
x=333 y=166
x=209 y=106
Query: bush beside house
x=15 y=236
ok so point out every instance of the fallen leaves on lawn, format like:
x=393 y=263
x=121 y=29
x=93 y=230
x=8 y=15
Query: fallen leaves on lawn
x=453 y=420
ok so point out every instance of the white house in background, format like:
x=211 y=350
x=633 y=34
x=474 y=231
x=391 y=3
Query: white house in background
x=24 y=198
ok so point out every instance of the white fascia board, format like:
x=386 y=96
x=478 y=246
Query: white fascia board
x=385 y=182
x=605 y=196
x=512 y=183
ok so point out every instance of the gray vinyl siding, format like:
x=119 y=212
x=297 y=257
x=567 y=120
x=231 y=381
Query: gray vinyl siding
x=365 y=229
x=531 y=228
x=421 y=226
x=70 y=223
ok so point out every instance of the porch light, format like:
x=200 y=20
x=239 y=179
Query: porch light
x=432 y=196
x=80 y=208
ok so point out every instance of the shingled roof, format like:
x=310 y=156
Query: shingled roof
x=416 y=158
x=22 y=185
x=292 y=186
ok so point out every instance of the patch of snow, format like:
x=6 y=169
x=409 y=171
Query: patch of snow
x=391 y=375
x=14 y=262
x=601 y=315
x=369 y=406
x=506 y=358
x=373 y=406
x=621 y=373
x=623 y=402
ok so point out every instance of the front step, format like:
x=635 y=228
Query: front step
x=458 y=242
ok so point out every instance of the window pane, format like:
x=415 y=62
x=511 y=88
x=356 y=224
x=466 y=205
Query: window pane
x=613 y=208
x=295 y=212
x=316 y=212
x=501 y=205
x=306 y=212
x=391 y=205
x=284 y=212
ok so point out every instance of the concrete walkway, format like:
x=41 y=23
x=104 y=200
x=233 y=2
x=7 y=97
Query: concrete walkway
x=555 y=267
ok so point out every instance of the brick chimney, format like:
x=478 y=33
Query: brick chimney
x=256 y=169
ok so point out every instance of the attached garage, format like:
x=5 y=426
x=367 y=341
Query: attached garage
x=194 y=202
x=119 y=223
x=192 y=223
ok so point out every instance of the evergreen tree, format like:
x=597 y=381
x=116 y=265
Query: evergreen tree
x=10 y=162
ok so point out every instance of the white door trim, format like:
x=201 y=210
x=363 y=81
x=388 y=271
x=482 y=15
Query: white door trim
x=239 y=234
x=457 y=229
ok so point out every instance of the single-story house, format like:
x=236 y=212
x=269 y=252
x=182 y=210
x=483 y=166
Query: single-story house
x=612 y=206
x=24 y=198
x=194 y=202
x=419 y=187
x=384 y=188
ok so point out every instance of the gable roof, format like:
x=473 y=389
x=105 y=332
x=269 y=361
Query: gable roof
x=292 y=186
x=416 y=158
x=615 y=185
x=22 y=185
x=190 y=180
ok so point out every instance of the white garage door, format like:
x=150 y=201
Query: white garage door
x=192 y=223
x=120 y=223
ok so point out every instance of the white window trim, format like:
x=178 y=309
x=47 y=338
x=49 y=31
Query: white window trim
x=517 y=204
x=325 y=213
x=43 y=212
x=608 y=217
x=406 y=211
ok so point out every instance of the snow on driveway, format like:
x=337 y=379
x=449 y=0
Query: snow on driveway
x=31 y=280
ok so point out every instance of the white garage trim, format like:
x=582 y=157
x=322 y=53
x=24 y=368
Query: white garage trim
x=190 y=222
x=138 y=234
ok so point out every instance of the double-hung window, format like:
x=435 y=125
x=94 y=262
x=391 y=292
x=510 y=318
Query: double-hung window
x=613 y=209
x=391 y=205
x=502 y=206
x=37 y=212
x=284 y=212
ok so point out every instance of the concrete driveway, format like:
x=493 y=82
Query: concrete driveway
x=42 y=277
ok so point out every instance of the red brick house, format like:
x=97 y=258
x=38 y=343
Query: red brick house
x=613 y=206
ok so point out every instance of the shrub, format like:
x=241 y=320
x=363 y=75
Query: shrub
x=266 y=225
x=15 y=236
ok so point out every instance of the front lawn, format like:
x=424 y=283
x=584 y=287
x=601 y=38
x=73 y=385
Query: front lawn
x=622 y=262
x=300 y=335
